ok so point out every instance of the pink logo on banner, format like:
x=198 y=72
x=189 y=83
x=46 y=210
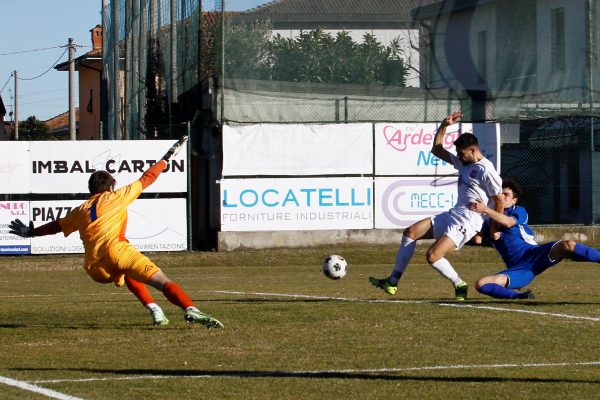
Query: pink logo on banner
x=400 y=141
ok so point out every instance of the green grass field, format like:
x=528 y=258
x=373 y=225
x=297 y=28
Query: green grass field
x=291 y=333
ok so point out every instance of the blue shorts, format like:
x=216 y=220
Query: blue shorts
x=534 y=261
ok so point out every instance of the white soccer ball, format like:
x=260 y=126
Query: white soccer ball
x=335 y=267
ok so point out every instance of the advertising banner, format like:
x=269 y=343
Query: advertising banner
x=281 y=149
x=65 y=167
x=152 y=225
x=14 y=168
x=11 y=244
x=405 y=148
x=296 y=204
x=400 y=202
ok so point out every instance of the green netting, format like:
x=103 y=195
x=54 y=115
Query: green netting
x=151 y=84
x=529 y=65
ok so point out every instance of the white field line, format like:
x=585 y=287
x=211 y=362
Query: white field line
x=314 y=297
x=518 y=310
x=36 y=389
x=255 y=374
x=301 y=296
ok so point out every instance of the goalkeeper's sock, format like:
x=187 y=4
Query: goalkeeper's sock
x=175 y=294
x=585 y=253
x=153 y=307
x=139 y=290
x=497 y=291
x=403 y=257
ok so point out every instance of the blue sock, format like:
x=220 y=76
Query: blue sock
x=498 y=292
x=585 y=253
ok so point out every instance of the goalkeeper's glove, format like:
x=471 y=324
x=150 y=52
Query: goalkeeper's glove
x=20 y=229
x=175 y=149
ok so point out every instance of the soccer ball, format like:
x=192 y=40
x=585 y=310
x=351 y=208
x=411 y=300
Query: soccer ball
x=335 y=267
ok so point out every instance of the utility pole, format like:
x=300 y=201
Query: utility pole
x=72 y=126
x=15 y=107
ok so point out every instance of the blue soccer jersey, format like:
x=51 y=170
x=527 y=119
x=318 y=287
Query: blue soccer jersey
x=516 y=240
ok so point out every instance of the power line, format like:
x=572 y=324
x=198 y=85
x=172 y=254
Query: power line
x=29 y=51
x=45 y=72
x=8 y=80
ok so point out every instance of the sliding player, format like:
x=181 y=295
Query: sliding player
x=524 y=258
x=109 y=257
x=477 y=178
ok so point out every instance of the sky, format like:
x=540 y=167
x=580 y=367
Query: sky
x=32 y=33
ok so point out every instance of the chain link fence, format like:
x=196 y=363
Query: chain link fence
x=332 y=61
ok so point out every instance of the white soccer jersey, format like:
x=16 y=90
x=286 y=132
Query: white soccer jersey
x=476 y=181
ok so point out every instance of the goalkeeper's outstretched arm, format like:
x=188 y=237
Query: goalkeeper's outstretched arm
x=17 y=227
x=152 y=173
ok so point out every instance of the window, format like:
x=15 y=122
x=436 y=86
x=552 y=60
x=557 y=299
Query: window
x=557 y=29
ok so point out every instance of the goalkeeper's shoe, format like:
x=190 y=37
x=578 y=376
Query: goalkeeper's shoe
x=460 y=291
x=158 y=317
x=383 y=284
x=198 y=317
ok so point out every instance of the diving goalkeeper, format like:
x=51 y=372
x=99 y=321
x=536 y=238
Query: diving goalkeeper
x=109 y=257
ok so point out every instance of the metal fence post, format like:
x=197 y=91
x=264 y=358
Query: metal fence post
x=189 y=186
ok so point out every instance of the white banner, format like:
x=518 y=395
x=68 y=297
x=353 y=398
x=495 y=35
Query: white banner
x=280 y=149
x=405 y=148
x=152 y=225
x=65 y=167
x=14 y=167
x=12 y=244
x=296 y=204
x=400 y=202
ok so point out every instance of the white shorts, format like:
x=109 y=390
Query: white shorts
x=458 y=224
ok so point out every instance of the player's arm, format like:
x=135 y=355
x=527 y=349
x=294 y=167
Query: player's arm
x=438 y=149
x=152 y=173
x=502 y=220
x=20 y=229
x=499 y=209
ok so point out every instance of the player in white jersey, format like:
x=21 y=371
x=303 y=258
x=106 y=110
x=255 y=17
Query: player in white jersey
x=477 y=179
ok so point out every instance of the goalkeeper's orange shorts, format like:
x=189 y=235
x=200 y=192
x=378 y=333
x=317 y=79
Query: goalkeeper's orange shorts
x=123 y=259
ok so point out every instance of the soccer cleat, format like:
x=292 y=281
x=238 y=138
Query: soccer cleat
x=383 y=284
x=158 y=317
x=460 y=291
x=201 y=318
x=526 y=295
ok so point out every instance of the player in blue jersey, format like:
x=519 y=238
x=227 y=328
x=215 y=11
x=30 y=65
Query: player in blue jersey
x=524 y=258
x=477 y=179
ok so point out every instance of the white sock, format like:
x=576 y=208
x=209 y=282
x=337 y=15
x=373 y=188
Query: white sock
x=153 y=307
x=443 y=267
x=403 y=257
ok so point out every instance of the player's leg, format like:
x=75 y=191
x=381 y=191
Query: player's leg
x=419 y=230
x=575 y=251
x=451 y=231
x=137 y=266
x=176 y=295
x=408 y=244
x=140 y=291
x=496 y=286
x=436 y=257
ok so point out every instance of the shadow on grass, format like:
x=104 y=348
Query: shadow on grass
x=84 y=326
x=533 y=303
x=358 y=375
x=408 y=301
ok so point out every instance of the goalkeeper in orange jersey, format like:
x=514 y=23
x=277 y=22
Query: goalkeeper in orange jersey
x=109 y=257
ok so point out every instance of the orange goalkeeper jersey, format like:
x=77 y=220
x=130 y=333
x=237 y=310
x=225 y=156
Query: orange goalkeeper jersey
x=102 y=219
